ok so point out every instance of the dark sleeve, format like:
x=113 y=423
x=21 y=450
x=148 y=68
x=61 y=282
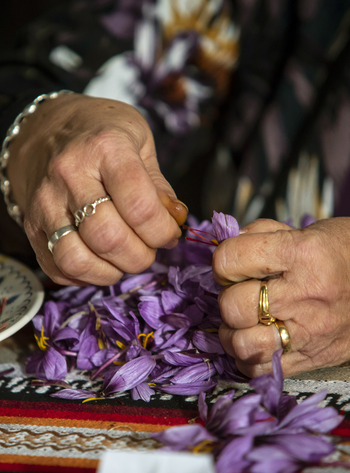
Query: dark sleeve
x=25 y=73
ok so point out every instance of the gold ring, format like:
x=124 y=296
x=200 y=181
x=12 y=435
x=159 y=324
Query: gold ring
x=284 y=334
x=265 y=317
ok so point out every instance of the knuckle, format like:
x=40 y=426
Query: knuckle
x=219 y=262
x=60 y=166
x=228 y=307
x=242 y=349
x=110 y=238
x=103 y=142
x=142 y=210
x=114 y=242
x=252 y=370
x=74 y=263
x=141 y=264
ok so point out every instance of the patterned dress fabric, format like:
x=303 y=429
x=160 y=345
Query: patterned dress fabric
x=249 y=101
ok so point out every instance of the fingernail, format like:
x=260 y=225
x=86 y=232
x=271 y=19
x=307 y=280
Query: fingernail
x=178 y=210
x=242 y=230
x=178 y=201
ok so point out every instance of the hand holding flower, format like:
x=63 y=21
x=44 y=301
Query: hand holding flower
x=307 y=273
x=64 y=157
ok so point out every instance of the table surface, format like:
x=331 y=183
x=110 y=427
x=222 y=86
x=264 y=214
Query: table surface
x=39 y=433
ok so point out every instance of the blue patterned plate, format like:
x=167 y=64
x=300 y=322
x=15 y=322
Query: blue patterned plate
x=21 y=295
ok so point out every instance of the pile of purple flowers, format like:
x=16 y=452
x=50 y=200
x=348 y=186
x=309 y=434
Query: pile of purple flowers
x=157 y=331
x=266 y=431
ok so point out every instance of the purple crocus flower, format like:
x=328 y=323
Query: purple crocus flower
x=224 y=226
x=55 y=342
x=262 y=432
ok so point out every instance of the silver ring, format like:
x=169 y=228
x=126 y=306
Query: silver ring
x=88 y=210
x=61 y=232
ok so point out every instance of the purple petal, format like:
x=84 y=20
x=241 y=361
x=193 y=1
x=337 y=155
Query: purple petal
x=151 y=311
x=308 y=416
x=176 y=320
x=198 y=372
x=181 y=359
x=270 y=385
x=202 y=407
x=184 y=436
x=54 y=364
x=226 y=367
x=131 y=282
x=128 y=376
x=143 y=391
x=102 y=356
x=272 y=459
x=68 y=334
x=229 y=418
x=75 y=394
x=194 y=315
x=190 y=389
x=52 y=317
x=233 y=456
x=307 y=220
x=207 y=342
x=172 y=302
x=224 y=226
x=89 y=346
x=304 y=447
x=175 y=339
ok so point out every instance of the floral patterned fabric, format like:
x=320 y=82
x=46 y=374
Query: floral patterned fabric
x=249 y=101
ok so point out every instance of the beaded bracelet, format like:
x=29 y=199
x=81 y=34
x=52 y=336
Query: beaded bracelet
x=5 y=186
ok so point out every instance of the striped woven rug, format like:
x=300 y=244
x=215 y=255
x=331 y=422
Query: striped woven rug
x=42 y=434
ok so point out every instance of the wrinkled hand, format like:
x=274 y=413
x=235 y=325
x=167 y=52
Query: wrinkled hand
x=308 y=274
x=72 y=151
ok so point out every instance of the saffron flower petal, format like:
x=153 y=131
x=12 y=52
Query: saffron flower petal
x=128 y=376
x=224 y=226
x=184 y=437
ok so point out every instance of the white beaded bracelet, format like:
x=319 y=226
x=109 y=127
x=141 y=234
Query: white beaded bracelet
x=5 y=186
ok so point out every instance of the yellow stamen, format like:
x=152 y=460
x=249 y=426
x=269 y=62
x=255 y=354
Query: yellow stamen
x=145 y=337
x=101 y=336
x=120 y=345
x=119 y=363
x=206 y=446
x=101 y=343
x=91 y=399
x=42 y=342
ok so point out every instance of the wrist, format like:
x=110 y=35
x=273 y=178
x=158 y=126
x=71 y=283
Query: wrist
x=8 y=167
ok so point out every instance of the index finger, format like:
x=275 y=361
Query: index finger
x=137 y=200
x=253 y=255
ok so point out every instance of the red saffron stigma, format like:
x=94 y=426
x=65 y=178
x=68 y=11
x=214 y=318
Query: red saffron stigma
x=201 y=238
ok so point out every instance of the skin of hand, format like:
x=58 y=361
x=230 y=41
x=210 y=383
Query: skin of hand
x=73 y=150
x=308 y=274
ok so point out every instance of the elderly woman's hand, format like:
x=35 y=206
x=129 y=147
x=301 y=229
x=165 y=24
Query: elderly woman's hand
x=308 y=286
x=72 y=151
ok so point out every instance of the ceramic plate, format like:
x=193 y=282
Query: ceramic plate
x=21 y=295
